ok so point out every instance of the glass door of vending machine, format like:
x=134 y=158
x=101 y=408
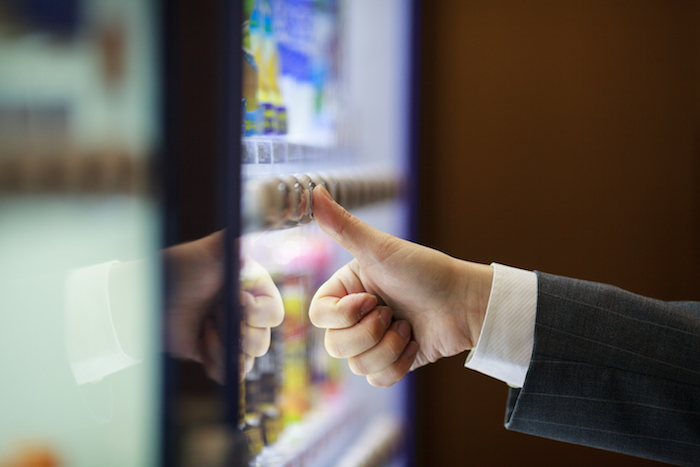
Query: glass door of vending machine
x=80 y=225
x=325 y=101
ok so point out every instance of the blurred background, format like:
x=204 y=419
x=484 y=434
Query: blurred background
x=561 y=136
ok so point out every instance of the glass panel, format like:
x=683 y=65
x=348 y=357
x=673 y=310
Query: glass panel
x=79 y=232
x=325 y=101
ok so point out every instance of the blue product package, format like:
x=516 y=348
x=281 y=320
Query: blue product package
x=296 y=42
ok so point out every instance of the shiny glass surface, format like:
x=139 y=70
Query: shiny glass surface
x=346 y=120
x=80 y=229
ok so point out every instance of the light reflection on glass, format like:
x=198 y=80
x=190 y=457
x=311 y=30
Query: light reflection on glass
x=78 y=126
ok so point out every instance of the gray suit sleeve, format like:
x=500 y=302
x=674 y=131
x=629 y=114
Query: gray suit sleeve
x=612 y=370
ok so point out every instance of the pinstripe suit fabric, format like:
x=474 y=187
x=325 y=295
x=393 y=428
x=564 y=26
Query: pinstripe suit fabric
x=612 y=370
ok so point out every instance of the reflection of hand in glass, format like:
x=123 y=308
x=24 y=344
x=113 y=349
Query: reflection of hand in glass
x=263 y=309
x=197 y=277
x=196 y=271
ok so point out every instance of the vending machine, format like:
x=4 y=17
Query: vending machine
x=122 y=339
x=325 y=100
x=313 y=92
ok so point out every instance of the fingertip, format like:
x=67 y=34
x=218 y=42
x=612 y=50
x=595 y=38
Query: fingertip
x=368 y=304
x=322 y=201
x=342 y=227
x=323 y=207
x=410 y=351
x=404 y=329
x=385 y=315
x=381 y=381
x=321 y=192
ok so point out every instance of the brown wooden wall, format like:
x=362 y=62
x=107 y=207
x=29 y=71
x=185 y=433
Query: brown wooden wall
x=562 y=136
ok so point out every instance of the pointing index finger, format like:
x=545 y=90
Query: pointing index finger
x=359 y=238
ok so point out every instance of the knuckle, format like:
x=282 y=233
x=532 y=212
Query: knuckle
x=387 y=377
x=372 y=380
x=358 y=366
x=248 y=364
x=313 y=316
x=260 y=348
x=315 y=311
x=379 y=380
x=256 y=341
x=332 y=346
x=347 y=220
x=278 y=316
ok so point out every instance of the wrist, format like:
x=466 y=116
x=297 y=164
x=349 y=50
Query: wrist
x=476 y=281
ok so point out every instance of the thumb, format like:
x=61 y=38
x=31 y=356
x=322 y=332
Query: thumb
x=362 y=240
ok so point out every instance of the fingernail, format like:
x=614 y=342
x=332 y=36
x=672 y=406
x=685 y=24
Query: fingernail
x=368 y=306
x=322 y=190
x=385 y=316
x=404 y=329
x=410 y=350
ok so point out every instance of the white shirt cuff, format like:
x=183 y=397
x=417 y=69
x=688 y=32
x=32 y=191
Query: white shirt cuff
x=91 y=340
x=505 y=344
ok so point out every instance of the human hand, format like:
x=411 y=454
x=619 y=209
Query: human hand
x=263 y=309
x=194 y=307
x=398 y=305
